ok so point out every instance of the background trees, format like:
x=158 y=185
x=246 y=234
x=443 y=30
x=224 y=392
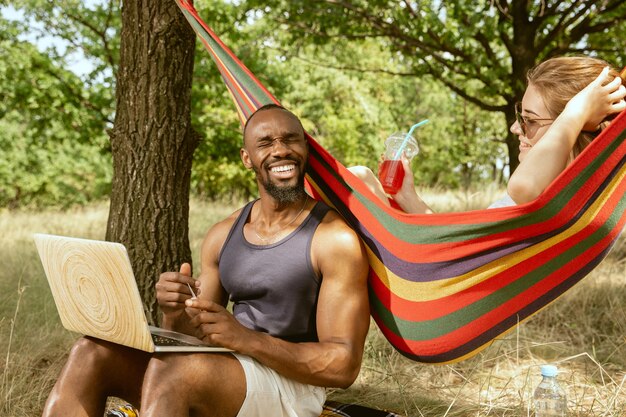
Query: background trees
x=354 y=70
x=480 y=50
x=52 y=121
x=350 y=111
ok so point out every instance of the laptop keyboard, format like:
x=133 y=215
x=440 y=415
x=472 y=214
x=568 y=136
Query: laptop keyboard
x=166 y=341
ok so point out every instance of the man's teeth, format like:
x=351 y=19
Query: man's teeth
x=283 y=168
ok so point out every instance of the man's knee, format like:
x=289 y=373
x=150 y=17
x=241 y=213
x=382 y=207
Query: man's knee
x=90 y=351
x=82 y=384
x=98 y=359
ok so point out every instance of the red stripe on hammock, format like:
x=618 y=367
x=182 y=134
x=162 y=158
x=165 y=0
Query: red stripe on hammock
x=465 y=334
x=429 y=310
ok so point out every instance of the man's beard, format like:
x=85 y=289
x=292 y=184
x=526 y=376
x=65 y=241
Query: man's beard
x=286 y=194
x=283 y=194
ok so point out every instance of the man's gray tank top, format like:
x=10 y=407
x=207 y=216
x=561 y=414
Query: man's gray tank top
x=274 y=287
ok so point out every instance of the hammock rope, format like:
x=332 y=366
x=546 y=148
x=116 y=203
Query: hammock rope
x=444 y=286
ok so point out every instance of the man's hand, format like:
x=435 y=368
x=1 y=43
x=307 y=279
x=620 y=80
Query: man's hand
x=215 y=325
x=172 y=291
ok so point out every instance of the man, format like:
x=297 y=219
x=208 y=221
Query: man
x=296 y=274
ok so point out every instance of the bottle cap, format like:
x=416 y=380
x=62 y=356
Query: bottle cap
x=549 y=370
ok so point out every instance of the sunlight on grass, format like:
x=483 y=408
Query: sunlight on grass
x=583 y=333
x=446 y=201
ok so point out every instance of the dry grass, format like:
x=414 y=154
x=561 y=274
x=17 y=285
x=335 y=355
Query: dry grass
x=446 y=201
x=583 y=332
x=33 y=343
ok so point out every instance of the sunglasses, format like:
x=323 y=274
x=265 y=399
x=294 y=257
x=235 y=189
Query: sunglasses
x=528 y=124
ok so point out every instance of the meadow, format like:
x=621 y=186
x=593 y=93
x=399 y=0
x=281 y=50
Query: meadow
x=584 y=333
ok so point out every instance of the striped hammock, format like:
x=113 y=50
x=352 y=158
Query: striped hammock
x=444 y=286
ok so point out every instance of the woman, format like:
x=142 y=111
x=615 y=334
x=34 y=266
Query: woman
x=566 y=104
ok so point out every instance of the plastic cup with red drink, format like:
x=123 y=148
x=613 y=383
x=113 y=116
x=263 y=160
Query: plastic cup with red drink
x=391 y=172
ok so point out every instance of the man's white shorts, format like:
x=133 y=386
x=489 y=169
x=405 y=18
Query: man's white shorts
x=271 y=394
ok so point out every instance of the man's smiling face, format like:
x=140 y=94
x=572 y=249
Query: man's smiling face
x=275 y=148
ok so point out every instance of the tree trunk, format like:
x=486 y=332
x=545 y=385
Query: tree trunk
x=512 y=144
x=153 y=142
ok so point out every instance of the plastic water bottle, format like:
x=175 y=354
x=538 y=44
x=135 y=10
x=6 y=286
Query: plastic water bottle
x=549 y=398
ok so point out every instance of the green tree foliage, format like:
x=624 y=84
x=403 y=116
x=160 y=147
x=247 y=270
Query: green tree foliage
x=355 y=72
x=77 y=31
x=480 y=50
x=54 y=149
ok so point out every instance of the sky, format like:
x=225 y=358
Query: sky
x=77 y=63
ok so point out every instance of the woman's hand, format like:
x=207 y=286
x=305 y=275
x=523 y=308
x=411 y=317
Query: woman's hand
x=407 y=197
x=408 y=184
x=601 y=98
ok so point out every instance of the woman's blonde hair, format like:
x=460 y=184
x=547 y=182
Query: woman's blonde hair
x=560 y=79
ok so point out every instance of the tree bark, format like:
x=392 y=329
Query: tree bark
x=512 y=141
x=153 y=142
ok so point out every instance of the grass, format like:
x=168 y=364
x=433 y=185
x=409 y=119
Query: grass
x=584 y=332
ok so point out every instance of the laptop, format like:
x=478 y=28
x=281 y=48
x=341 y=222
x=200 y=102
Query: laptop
x=95 y=292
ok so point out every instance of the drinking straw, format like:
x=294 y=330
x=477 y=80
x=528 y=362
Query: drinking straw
x=406 y=138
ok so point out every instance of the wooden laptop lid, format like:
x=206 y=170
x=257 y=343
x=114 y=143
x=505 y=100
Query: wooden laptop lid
x=94 y=289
